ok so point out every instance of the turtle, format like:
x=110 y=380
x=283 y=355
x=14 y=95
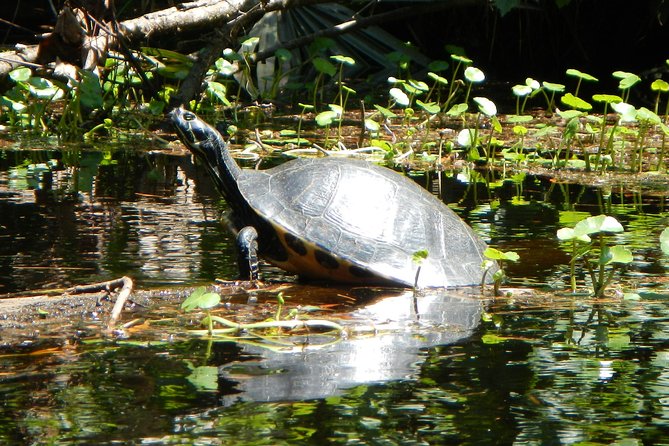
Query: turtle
x=338 y=219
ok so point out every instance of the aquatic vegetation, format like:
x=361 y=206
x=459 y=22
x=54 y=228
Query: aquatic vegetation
x=590 y=247
x=202 y=300
x=501 y=257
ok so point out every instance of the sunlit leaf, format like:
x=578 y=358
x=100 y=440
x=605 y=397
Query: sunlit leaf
x=326 y=118
x=419 y=85
x=579 y=74
x=607 y=98
x=457 y=109
x=465 y=137
x=20 y=74
x=660 y=85
x=620 y=254
x=627 y=80
x=486 y=106
x=344 y=60
x=575 y=102
x=430 y=107
x=521 y=90
x=627 y=111
x=552 y=87
x=249 y=44
x=385 y=112
x=437 y=78
x=419 y=256
x=399 y=96
x=372 y=125
x=496 y=254
x=599 y=223
x=474 y=75
x=200 y=298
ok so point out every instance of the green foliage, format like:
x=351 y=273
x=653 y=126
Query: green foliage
x=202 y=300
x=588 y=240
x=501 y=257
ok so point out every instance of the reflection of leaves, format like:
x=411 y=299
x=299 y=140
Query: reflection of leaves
x=204 y=378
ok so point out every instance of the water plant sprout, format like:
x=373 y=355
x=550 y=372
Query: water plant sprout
x=502 y=257
x=588 y=241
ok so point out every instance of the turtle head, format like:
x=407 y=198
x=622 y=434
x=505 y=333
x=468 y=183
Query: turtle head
x=201 y=138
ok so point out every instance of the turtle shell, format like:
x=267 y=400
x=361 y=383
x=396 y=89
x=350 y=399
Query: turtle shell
x=353 y=221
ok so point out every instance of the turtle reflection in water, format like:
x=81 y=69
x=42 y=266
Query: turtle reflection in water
x=338 y=220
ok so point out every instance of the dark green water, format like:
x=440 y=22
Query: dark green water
x=540 y=368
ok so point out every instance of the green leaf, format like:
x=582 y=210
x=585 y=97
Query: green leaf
x=465 y=137
x=492 y=339
x=430 y=107
x=20 y=74
x=555 y=88
x=486 y=106
x=344 y=60
x=224 y=67
x=496 y=254
x=326 y=118
x=627 y=111
x=385 y=112
x=518 y=118
x=660 y=85
x=324 y=66
x=643 y=114
x=419 y=85
x=566 y=234
x=575 y=102
x=419 y=256
x=607 y=98
x=585 y=76
x=200 y=298
x=474 y=75
x=248 y=44
x=399 y=96
x=90 y=90
x=599 y=223
x=218 y=91
x=620 y=254
x=372 y=125
x=204 y=378
x=461 y=59
x=627 y=80
x=521 y=90
x=457 y=109
x=435 y=77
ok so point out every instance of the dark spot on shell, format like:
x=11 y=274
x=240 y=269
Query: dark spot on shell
x=295 y=244
x=326 y=260
x=269 y=243
x=360 y=272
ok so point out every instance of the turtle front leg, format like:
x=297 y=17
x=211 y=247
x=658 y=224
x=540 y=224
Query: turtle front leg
x=247 y=244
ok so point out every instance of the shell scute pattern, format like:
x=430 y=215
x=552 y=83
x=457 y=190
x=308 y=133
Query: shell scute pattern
x=368 y=217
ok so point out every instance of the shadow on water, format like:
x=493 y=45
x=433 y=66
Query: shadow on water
x=536 y=366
